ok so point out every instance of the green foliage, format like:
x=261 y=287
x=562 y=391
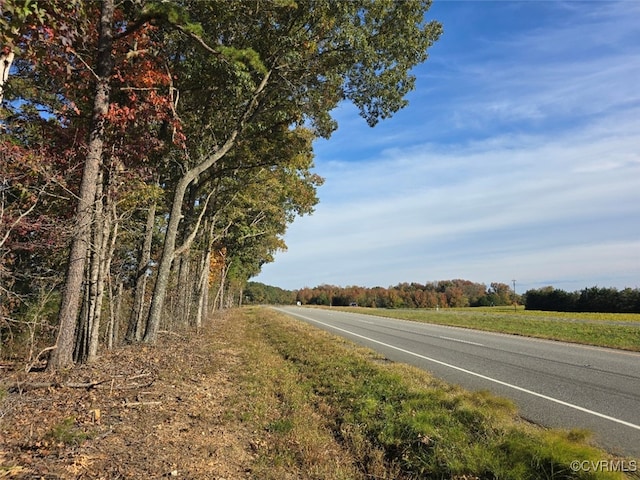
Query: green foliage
x=14 y=16
x=441 y=294
x=173 y=14
x=426 y=428
x=258 y=205
x=243 y=58
x=67 y=432
x=259 y=293
x=594 y=299
x=231 y=93
x=38 y=20
x=390 y=38
x=463 y=293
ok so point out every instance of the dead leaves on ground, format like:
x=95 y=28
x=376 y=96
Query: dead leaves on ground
x=139 y=412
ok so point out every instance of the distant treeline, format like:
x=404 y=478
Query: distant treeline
x=440 y=294
x=594 y=299
x=451 y=294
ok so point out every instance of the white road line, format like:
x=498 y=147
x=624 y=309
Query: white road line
x=484 y=377
x=461 y=341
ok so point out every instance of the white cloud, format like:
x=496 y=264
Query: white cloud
x=522 y=166
x=508 y=201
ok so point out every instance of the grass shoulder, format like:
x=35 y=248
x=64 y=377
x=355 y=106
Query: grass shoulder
x=325 y=402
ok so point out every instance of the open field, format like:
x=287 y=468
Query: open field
x=615 y=330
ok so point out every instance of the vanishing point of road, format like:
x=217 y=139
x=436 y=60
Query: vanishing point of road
x=554 y=384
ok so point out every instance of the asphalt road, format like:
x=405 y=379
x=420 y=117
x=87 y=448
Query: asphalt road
x=555 y=384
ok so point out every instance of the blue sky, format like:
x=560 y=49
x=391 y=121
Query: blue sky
x=518 y=157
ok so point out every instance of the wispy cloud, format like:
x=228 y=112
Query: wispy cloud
x=521 y=162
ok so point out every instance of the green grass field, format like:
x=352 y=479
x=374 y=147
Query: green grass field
x=615 y=330
x=335 y=411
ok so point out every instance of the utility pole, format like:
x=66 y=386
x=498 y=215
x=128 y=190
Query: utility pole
x=515 y=302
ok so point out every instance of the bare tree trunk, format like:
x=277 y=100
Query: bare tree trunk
x=185 y=291
x=6 y=59
x=115 y=310
x=219 y=302
x=205 y=272
x=111 y=324
x=135 y=327
x=81 y=340
x=115 y=327
x=168 y=251
x=203 y=290
x=62 y=355
x=118 y=314
x=89 y=320
x=109 y=227
x=93 y=312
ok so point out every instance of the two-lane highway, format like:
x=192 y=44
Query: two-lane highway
x=553 y=383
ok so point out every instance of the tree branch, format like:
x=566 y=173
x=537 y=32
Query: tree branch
x=20 y=387
x=187 y=243
x=199 y=40
x=19 y=219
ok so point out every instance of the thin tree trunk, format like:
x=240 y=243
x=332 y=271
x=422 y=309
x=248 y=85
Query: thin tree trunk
x=205 y=272
x=219 y=302
x=62 y=355
x=115 y=309
x=95 y=263
x=169 y=247
x=118 y=315
x=111 y=323
x=168 y=252
x=6 y=59
x=108 y=238
x=81 y=339
x=184 y=292
x=87 y=313
x=135 y=327
x=203 y=289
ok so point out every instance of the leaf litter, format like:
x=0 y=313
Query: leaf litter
x=137 y=412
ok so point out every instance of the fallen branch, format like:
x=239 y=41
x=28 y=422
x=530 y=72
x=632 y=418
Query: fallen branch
x=21 y=387
x=138 y=376
x=28 y=368
x=136 y=404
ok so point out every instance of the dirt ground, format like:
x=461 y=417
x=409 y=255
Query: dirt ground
x=138 y=412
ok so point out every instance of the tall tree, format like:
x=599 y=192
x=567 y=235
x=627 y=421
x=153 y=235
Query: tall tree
x=257 y=65
x=112 y=122
x=135 y=328
x=36 y=155
x=62 y=356
x=221 y=114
